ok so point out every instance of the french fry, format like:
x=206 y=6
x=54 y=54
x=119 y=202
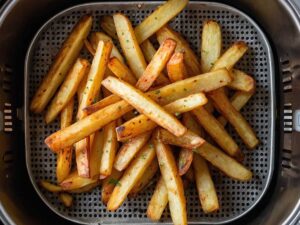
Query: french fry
x=238 y=101
x=82 y=155
x=158 y=202
x=66 y=199
x=50 y=187
x=173 y=182
x=160 y=17
x=131 y=176
x=211 y=44
x=223 y=162
x=64 y=157
x=108 y=25
x=176 y=68
x=67 y=90
x=95 y=76
x=142 y=123
x=217 y=132
x=96 y=154
x=190 y=59
x=129 y=44
x=189 y=140
x=241 y=81
x=145 y=105
x=205 y=186
x=235 y=118
x=121 y=71
x=109 y=149
x=145 y=180
x=86 y=188
x=74 y=182
x=83 y=128
x=81 y=88
x=129 y=149
x=109 y=184
x=61 y=65
x=109 y=100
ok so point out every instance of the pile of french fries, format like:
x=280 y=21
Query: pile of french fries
x=146 y=112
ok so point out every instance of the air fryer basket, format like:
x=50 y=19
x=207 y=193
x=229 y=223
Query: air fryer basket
x=20 y=19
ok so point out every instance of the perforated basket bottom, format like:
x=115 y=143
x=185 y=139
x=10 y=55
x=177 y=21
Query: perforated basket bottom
x=235 y=198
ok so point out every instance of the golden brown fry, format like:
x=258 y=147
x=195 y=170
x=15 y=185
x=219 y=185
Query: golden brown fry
x=109 y=100
x=241 y=81
x=145 y=105
x=82 y=152
x=185 y=159
x=96 y=154
x=66 y=199
x=176 y=68
x=235 y=118
x=173 y=182
x=131 y=176
x=81 y=87
x=158 y=202
x=160 y=17
x=156 y=65
x=205 y=186
x=108 y=25
x=67 y=90
x=190 y=59
x=50 y=187
x=142 y=123
x=211 y=44
x=75 y=182
x=109 y=149
x=121 y=71
x=109 y=184
x=61 y=65
x=129 y=149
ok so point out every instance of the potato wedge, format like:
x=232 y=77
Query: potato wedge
x=61 y=65
x=108 y=25
x=67 y=90
x=121 y=71
x=160 y=17
x=96 y=153
x=190 y=59
x=142 y=123
x=95 y=76
x=234 y=117
x=131 y=176
x=241 y=81
x=189 y=140
x=145 y=105
x=205 y=185
x=66 y=199
x=173 y=182
x=158 y=202
x=176 y=68
x=109 y=149
x=129 y=149
x=109 y=184
x=146 y=179
x=211 y=44
x=50 y=187
x=75 y=182
x=157 y=64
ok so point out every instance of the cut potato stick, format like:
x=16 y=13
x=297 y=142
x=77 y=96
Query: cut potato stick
x=121 y=71
x=131 y=176
x=211 y=44
x=217 y=132
x=205 y=186
x=156 y=65
x=64 y=157
x=95 y=76
x=50 y=187
x=86 y=188
x=173 y=182
x=81 y=88
x=146 y=179
x=176 y=68
x=158 y=202
x=238 y=101
x=190 y=59
x=189 y=140
x=75 y=182
x=109 y=149
x=223 y=162
x=129 y=44
x=67 y=90
x=96 y=154
x=108 y=25
x=109 y=100
x=109 y=184
x=160 y=17
x=82 y=155
x=234 y=117
x=61 y=65
x=129 y=149
x=241 y=81
x=66 y=199
x=145 y=105
x=83 y=128
x=142 y=123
